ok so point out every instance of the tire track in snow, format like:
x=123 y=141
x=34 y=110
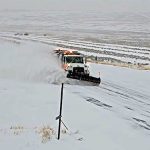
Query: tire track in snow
x=129 y=96
x=124 y=102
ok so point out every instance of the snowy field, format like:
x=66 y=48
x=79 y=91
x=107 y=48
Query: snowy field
x=114 y=115
x=115 y=38
x=111 y=28
x=139 y=57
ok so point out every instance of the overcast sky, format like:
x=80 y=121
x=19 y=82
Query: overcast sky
x=102 y=5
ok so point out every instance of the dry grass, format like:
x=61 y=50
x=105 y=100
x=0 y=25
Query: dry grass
x=132 y=66
x=17 y=130
x=46 y=133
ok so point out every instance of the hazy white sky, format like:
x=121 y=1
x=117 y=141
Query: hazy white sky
x=103 y=5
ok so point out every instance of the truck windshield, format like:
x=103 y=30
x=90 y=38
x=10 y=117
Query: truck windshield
x=74 y=60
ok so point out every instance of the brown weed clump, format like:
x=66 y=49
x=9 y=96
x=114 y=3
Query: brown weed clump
x=46 y=133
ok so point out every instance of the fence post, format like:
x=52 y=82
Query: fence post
x=60 y=112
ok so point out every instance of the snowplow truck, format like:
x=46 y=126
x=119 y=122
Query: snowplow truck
x=75 y=65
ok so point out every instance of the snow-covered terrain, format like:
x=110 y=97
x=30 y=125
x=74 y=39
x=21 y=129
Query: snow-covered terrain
x=115 y=38
x=120 y=28
x=114 y=115
x=113 y=53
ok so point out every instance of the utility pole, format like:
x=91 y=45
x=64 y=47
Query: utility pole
x=60 y=112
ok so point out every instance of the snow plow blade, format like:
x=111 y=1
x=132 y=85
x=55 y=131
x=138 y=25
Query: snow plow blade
x=84 y=78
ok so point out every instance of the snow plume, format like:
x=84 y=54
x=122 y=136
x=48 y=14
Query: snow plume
x=29 y=61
